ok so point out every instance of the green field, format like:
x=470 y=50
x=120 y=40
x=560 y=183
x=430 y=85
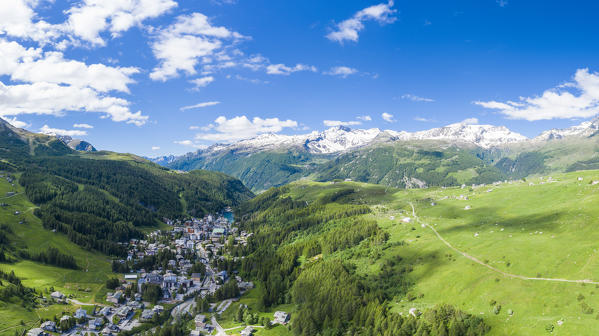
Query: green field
x=537 y=228
x=85 y=284
x=546 y=230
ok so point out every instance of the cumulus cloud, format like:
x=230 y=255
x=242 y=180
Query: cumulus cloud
x=54 y=99
x=16 y=123
x=57 y=131
x=92 y=17
x=422 y=119
x=469 y=121
x=341 y=71
x=416 y=98
x=349 y=29
x=192 y=38
x=18 y=19
x=201 y=82
x=50 y=84
x=282 y=69
x=388 y=117
x=333 y=123
x=364 y=118
x=240 y=127
x=190 y=143
x=200 y=105
x=87 y=126
x=155 y=148
x=578 y=98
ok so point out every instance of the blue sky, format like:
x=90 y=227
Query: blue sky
x=155 y=77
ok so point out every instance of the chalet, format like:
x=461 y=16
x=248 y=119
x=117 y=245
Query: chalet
x=131 y=277
x=147 y=314
x=281 y=317
x=36 y=332
x=95 y=323
x=80 y=313
x=158 y=309
x=114 y=297
x=106 y=311
x=57 y=296
x=248 y=331
x=123 y=311
x=49 y=326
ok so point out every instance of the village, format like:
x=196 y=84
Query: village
x=164 y=277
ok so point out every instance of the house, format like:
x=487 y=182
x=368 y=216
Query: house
x=281 y=317
x=196 y=278
x=105 y=311
x=158 y=309
x=80 y=313
x=131 y=277
x=248 y=331
x=123 y=311
x=57 y=296
x=114 y=297
x=49 y=326
x=195 y=332
x=147 y=314
x=95 y=323
x=36 y=332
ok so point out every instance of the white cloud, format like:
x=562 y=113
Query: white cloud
x=88 y=126
x=16 y=123
x=349 y=29
x=202 y=81
x=238 y=128
x=333 y=123
x=47 y=83
x=502 y=3
x=92 y=17
x=341 y=71
x=422 y=119
x=184 y=142
x=181 y=46
x=190 y=143
x=193 y=128
x=18 y=19
x=388 y=117
x=155 y=148
x=364 y=118
x=57 y=131
x=200 y=105
x=282 y=69
x=54 y=99
x=416 y=98
x=576 y=99
x=469 y=121
x=53 y=68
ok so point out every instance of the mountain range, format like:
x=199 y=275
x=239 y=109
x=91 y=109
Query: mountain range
x=454 y=154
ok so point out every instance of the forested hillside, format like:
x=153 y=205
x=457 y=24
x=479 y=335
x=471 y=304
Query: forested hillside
x=309 y=249
x=99 y=199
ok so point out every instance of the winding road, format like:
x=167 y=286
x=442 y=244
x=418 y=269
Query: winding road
x=506 y=274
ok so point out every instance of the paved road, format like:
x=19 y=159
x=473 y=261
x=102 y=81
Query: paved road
x=510 y=275
x=184 y=307
x=219 y=330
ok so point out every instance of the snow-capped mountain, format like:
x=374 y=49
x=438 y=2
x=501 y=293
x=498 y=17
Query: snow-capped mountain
x=585 y=129
x=340 y=139
x=485 y=136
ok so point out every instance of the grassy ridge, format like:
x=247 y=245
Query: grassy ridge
x=535 y=228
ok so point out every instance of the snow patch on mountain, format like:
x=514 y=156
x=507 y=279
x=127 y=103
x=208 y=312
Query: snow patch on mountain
x=485 y=136
x=584 y=129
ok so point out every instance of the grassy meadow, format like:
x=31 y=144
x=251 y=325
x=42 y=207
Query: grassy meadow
x=85 y=284
x=538 y=228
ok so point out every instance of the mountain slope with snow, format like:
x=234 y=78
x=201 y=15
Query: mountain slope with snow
x=584 y=129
